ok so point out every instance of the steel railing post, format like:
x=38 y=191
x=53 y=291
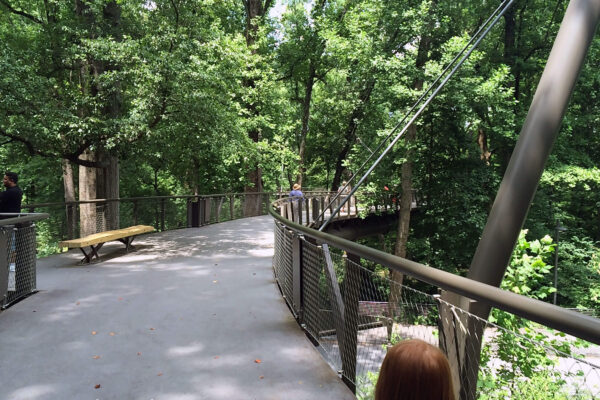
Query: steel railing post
x=135 y=212
x=351 y=290
x=297 y=275
x=162 y=214
x=5 y=233
x=315 y=210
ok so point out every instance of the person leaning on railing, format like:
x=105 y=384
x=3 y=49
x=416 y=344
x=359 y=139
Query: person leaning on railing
x=414 y=370
x=10 y=199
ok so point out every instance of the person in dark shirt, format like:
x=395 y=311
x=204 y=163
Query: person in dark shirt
x=10 y=199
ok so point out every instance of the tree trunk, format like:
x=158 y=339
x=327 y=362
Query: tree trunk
x=252 y=205
x=308 y=88
x=111 y=185
x=350 y=134
x=509 y=45
x=406 y=178
x=87 y=191
x=69 y=188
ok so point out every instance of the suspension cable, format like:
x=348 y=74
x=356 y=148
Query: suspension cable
x=494 y=18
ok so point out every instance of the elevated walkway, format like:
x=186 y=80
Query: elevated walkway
x=192 y=314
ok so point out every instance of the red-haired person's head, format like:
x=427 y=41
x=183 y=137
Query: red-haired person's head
x=414 y=370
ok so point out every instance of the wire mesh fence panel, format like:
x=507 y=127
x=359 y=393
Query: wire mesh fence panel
x=283 y=269
x=508 y=357
x=318 y=305
x=238 y=207
x=128 y=214
x=101 y=211
x=175 y=213
x=21 y=255
x=530 y=361
x=148 y=212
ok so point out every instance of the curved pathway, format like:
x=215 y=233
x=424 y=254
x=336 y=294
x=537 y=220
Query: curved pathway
x=192 y=314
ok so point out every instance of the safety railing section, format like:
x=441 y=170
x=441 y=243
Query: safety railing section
x=76 y=219
x=18 y=256
x=315 y=207
x=354 y=304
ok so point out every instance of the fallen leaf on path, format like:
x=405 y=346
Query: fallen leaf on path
x=96 y=357
x=257 y=361
x=97 y=386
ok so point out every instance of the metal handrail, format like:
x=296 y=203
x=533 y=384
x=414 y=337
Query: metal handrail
x=186 y=196
x=22 y=217
x=570 y=322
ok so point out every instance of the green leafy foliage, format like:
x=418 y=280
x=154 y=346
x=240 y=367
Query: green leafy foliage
x=516 y=360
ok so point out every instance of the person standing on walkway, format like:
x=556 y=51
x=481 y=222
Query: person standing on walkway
x=10 y=202
x=414 y=370
x=296 y=192
x=343 y=192
x=10 y=199
x=296 y=197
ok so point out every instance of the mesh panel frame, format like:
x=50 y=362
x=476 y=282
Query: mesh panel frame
x=21 y=262
x=379 y=312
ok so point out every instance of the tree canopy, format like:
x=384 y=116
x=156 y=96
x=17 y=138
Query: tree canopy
x=207 y=96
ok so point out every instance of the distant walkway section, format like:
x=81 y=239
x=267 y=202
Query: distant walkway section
x=192 y=314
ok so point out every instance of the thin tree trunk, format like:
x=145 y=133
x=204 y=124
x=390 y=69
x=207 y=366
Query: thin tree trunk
x=254 y=10
x=87 y=191
x=308 y=89
x=350 y=134
x=111 y=184
x=406 y=179
x=69 y=189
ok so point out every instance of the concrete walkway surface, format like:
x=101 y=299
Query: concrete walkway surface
x=192 y=314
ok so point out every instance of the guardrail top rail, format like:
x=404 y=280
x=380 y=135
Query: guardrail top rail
x=570 y=322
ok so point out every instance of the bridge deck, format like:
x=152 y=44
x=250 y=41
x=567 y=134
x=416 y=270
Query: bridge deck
x=193 y=314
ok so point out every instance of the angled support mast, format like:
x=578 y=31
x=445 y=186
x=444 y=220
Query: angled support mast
x=537 y=137
x=519 y=185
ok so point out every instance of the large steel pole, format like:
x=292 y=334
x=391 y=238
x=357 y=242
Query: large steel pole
x=537 y=137
x=520 y=182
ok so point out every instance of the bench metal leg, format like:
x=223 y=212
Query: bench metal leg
x=127 y=242
x=91 y=254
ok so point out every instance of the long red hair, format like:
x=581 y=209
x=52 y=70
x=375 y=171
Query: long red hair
x=414 y=370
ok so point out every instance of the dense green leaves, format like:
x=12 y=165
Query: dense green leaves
x=177 y=91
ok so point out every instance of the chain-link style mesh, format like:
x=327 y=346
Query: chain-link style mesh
x=283 y=262
x=381 y=308
x=101 y=218
x=21 y=257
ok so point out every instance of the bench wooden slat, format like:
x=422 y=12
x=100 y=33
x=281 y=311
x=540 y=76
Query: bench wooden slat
x=107 y=236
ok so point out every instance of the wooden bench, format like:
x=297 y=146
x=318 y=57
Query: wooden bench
x=95 y=241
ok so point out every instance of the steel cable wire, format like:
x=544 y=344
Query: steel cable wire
x=484 y=29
